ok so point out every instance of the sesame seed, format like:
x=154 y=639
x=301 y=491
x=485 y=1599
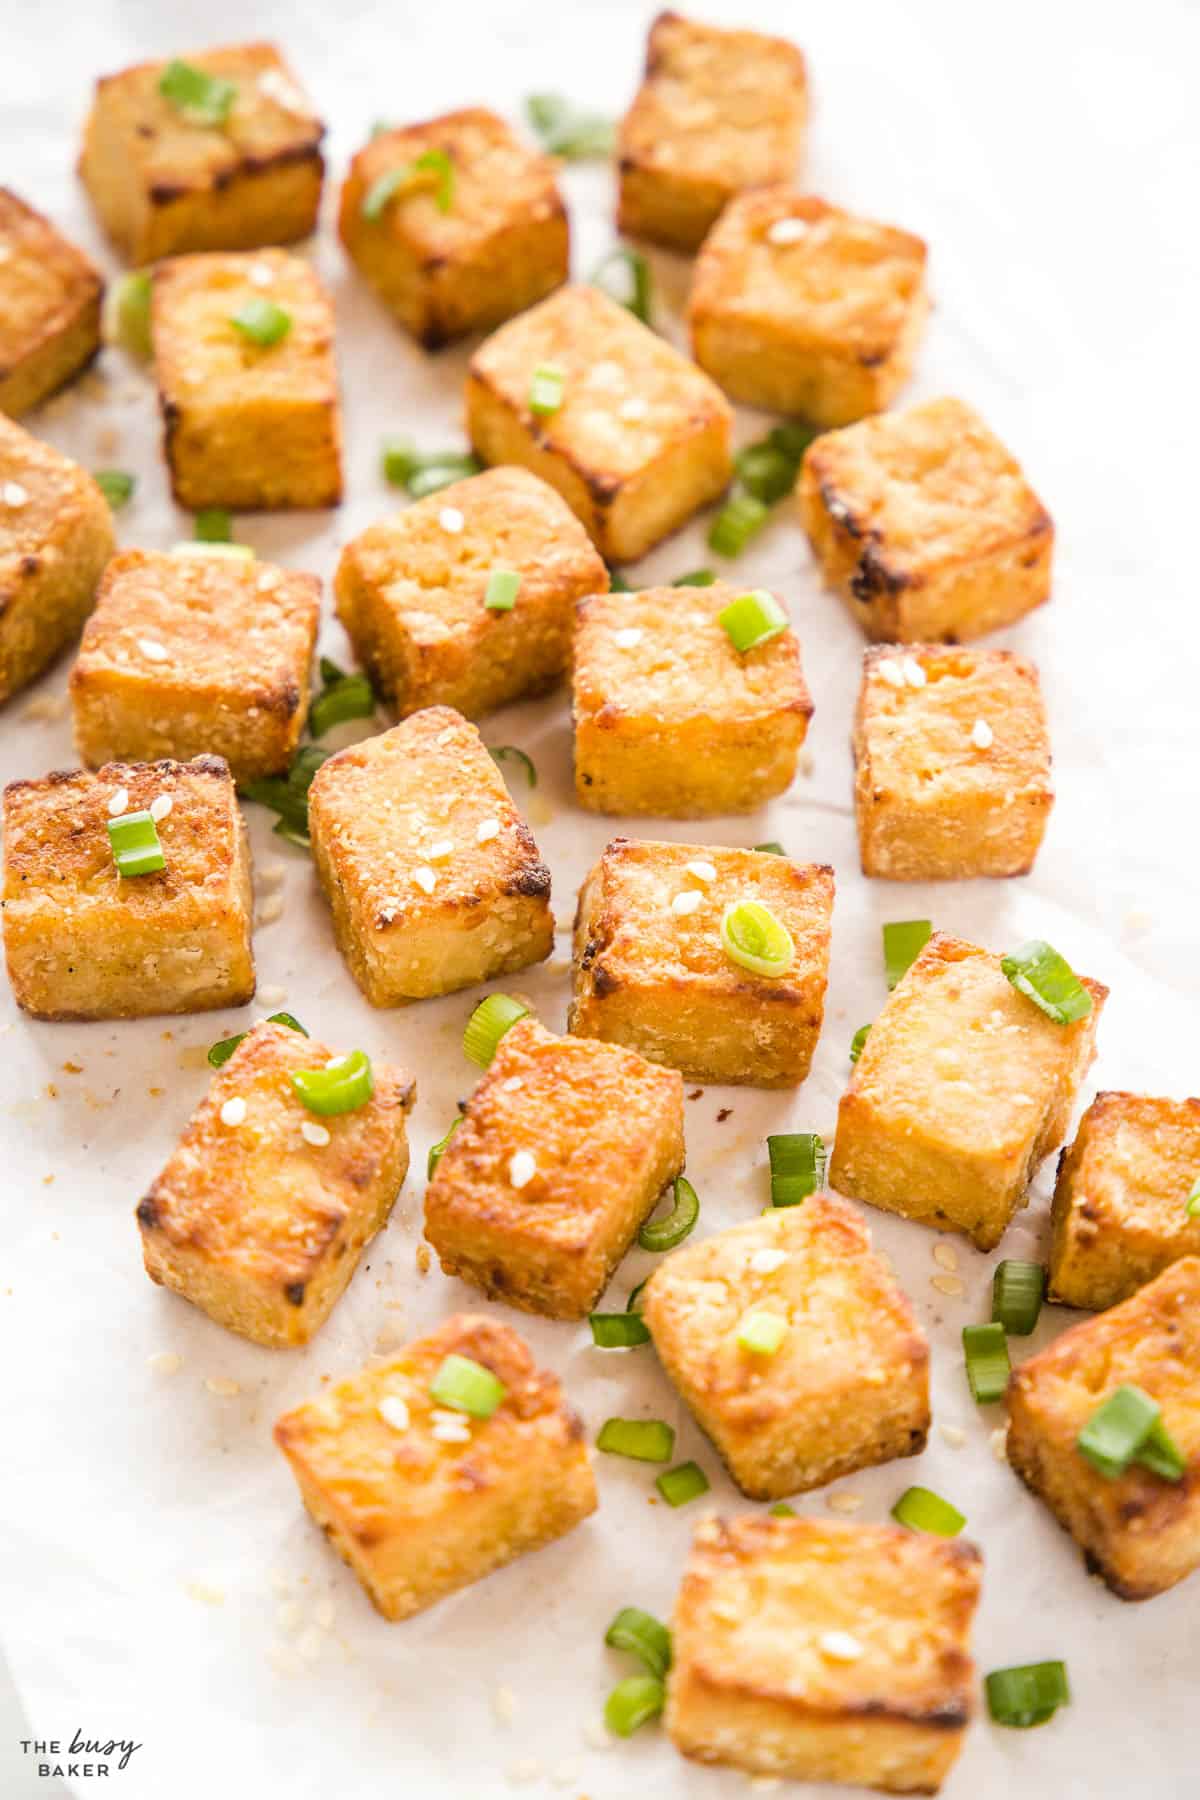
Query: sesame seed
x=272 y=996
x=999 y=1442
x=451 y=519
x=439 y=852
x=843 y=1502
x=914 y=674
x=840 y=1646
x=118 y=803
x=948 y=1284
x=223 y=1385
x=982 y=735
x=450 y=1428
x=765 y=1262
x=276 y=86
x=271 y=909
x=945 y=1256
x=787 y=231
x=511 y=1085
x=606 y=374
x=234 y=1111
x=636 y=407
x=152 y=650
x=703 y=871
x=687 y=902
x=312 y=1133
x=486 y=830
x=596 y=1735
x=425 y=879
x=522 y=1167
x=6 y=251
x=394 y=1412
x=954 y=1435
x=628 y=638
x=14 y=494
x=160 y=806
x=261 y=274
x=165 y=1362
x=892 y=673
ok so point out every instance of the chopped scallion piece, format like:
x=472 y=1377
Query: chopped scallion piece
x=617 y=583
x=291 y=834
x=1028 y=1695
x=438 y=1150
x=903 y=942
x=467 y=1386
x=618 y=1331
x=227 y=552
x=781 y=1510
x=262 y=321
x=213 y=526
x=634 y=1302
x=488 y=1024
x=135 y=846
x=740 y=519
x=344 y=1085
x=642 y=1635
x=792 y=439
x=678 y=1486
x=761 y=1332
x=772 y=848
x=1018 y=1289
x=1128 y=1428
x=765 y=471
x=435 y=164
x=434 y=475
x=645 y=1440
x=127 y=318
x=695 y=578
x=624 y=275
x=1043 y=976
x=988 y=1367
x=116 y=485
x=503 y=586
x=509 y=753
x=398 y=458
x=665 y=1233
x=633 y=1702
x=203 y=98
x=349 y=697
x=1193 y=1200
x=1161 y=1454
x=797 y=1166
x=857 y=1042
x=922 y=1510
x=330 y=671
x=439 y=164
x=546 y=389
x=567 y=131
x=755 y=939
x=220 y=1053
x=752 y=619
x=288 y=795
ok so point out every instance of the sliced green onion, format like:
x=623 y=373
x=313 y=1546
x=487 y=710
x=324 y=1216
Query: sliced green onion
x=762 y=1332
x=213 y=526
x=678 y=1486
x=128 y=313
x=204 y=99
x=385 y=187
x=792 y=439
x=645 y=1440
x=330 y=671
x=618 y=1331
x=288 y=795
x=488 y=1024
x=292 y=834
x=665 y=1233
x=797 y=1166
x=642 y=1635
x=116 y=485
x=398 y=458
x=755 y=939
x=220 y=1053
x=350 y=697
x=344 y=1085
x=773 y=848
x=438 y=473
x=857 y=1042
x=1041 y=974
x=438 y=163
x=988 y=1367
x=546 y=389
x=617 y=583
x=1128 y=1428
x=634 y=1302
x=438 y=1150
x=1193 y=1200
x=1018 y=1289
x=766 y=472
x=752 y=619
x=1161 y=1454
x=262 y=321
x=781 y=1510
x=220 y=552
x=135 y=846
x=465 y=1385
x=509 y=753
x=624 y=275
x=903 y=942
x=1028 y=1695
x=922 y=1510
x=632 y=1703
x=567 y=131
x=695 y=578
x=502 y=589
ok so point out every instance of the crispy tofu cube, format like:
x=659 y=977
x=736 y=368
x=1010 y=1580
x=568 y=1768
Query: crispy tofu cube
x=1120 y=1204
x=1139 y=1532
x=412 y=594
x=191 y=653
x=641 y=439
x=717 y=111
x=798 y=307
x=962 y=1087
x=246 y=425
x=925 y=524
x=164 y=181
x=502 y=243
x=56 y=534
x=421 y=1500
x=670 y=719
x=848 y=1385
x=252 y=1221
x=650 y=969
x=50 y=295
x=433 y=876
x=823 y=1651
x=952 y=764
x=84 y=942
x=605 y=1131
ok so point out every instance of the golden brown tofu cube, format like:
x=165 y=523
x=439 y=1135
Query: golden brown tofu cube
x=823 y=1651
x=962 y=1087
x=421 y=1499
x=641 y=439
x=717 y=111
x=433 y=876
x=501 y=243
x=50 y=295
x=164 y=179
x=848 y=1384
x=85 y=942
x=564 y=1150
x=1120 y=1204
x=670 y=719
x=651 y=969
x=188 y=653
x=412 y=593
x=925 y=524
x=951 y=764
x=1141 y=1533
x=246 y=424
x=56 y=534
x=798 y=307
x=261 y=1214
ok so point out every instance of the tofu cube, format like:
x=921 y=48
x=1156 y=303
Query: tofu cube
x=604 y=1130
x=192 y=653
x=824 y=1651
x=1140 y=1533
x=641 y=439
x=925 y=524
x=254 y=1222
x=433 y=876
x=951 y=764
x=412 y=594
x=50 y=295
x=962 y=1087
x=670 y=719
x=798 y=307
x=163 y=180
x=1120 y=1204
x=422 y=1500
x=501 y=243
x=651 y=971
x=717 y=111
x=83 y=941
x=848 y=1386
x=56 y=534
x=246 y=425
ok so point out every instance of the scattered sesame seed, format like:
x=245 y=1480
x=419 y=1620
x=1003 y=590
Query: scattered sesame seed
x=948 y=1284
x=394 y=1412
x=440 y=851
x=687 y=902
x=703 y=871
x=628 y=638
x=234 y=1111
x=504 y=1705
x=449 y=1427
x=999 y=1442
x=312 y=1133
x=892 y=673
x=840 y=1646
x=511 y=1085
x=843 y=1502
x=451 y=519
x=223 y=1385
x=596 y=1735
x=6 y=251
x=160 y=806
x=272 y=996
x=118 y=803
x=914 y=674
x=765 y=1262
x=606 y=374
x=271 y=909
x=261 y=274
x=423 y=1259
x=982 y=735
x=787 y=231
x=271 y=875
x=522 y=1167
x=14 y=494
x=425 y=879
x=276 y=86
x=636 y=407
x=152 y=650
x=946 y=1256
x=165 y=1362
x=486 y=830
x=954 y=1435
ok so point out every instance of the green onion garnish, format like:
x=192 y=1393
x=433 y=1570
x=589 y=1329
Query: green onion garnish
x=695 y=578
x=645 y=1440
x=291 y=834
x=1018 y=1289
x=755 y=939
x=903 y=942
x=205 y=99
x=438 y=1150
x=488 y=1024
x=424 y=472
x=922 y=1510
x=857 y=1042
x=262 y=321
x=634 y=1302
x=1192 y=1208
x=1161 y=1454
x=781 y=1510
x=1128 y=1428
x=213 y=526
x=348 y=697
x=342 y=1086
x=220 y=552
x=287 y=795
x=678 y=1486
x=761 y=1332
x=752 y=619
x=568 y=132
x=624 y=275
x=135 y=846
x=220 y=1053
x=632 y=1702
x=1028 y=1695
x=618 y=1331
x=643 y=1636
x=398 y=458
x=434 y=476
x=330 y=671
x=116 y=485
x=765 y=471
x=665 y=1233
x=797 y=1166
x=128 y=314
x=509 y=753
x=385 y=187
x=465 y=1385
x=1041 y=974
x=438 y=163
x=503 y=586
x=617 y=583
x=546 y=389
x=988 y=1367
x=773 y=848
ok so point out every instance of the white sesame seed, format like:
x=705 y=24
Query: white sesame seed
x=223 y=1385
x=982 y=735
x=14 y=494
x=276 y=86
x=118 y=803
x=765 y=1262
x=511 y=1086
x=312 y=1133
x=954 y=1435
x=439 y=852
x=522 y=1167
x=486 y=830
x=633 y=409
x=450 y=1428
x=451 y=519
x=160 y=806
x=152 y=650
x=945 y=1256
x=425 y=879
x=261 y=274
x=892 y=673
x=839 y=1646
x=914 y=674
x=596 y=1735
x=165 y=1362
x=842 y=1502
x=687 y=902
x=948 y=1284
x=628 y=638
x=504 y=1705
x=6 y=251
x=787 y=231
x=606 y=374
x=703 y=871
x=271 y=909
x=234 y=1111
x=394 y=1412
x=272 y=996
x=999 y=1442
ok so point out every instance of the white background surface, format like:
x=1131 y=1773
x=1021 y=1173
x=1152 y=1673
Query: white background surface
x=1049 y=156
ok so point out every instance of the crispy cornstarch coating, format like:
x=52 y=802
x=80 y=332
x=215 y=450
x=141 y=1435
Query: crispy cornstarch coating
x=951 y=764
x=503 y=242
x=605 y=1130
x=642 y=438
x=823 y=1651
x=50 y=295
x=717 y=111
x=1120 y=1204
x=434 y=878
x=246 y=425
x=1139 y=1532
x=251 y=1222
x=56 y=534
x=162 y=181
x=849 y=1384
x=411 y=593
x=84 y=942
x=670 y=719
x=926 y=525
x=658 y=979
x=962 y=1088
x=190 y=653
x=421 y=1500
